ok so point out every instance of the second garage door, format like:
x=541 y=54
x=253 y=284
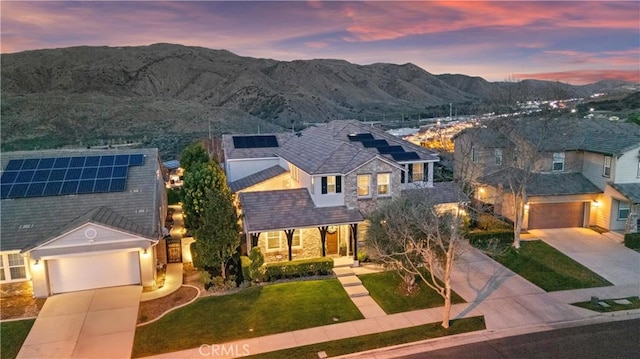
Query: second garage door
x=88 y=272
x=556 y=215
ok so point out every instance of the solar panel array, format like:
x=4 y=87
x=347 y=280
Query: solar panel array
x=375 y=143
x=383 y=147
x=390 y=149
x=405 y=156
x=360 y=136
x=258 y=141
x=39 y=177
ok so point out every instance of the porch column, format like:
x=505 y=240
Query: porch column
x=354 y=235
x=430 y=175
x=289 y=233
x=323 y=239
x=254 y=240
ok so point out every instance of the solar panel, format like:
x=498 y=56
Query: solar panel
x=374 y=143
x=405 y=156
x=259 y=141
x=360 y=136
x=390 y=149
x=36 y=177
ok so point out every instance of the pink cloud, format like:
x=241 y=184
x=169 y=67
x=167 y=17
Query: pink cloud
x=581 y=77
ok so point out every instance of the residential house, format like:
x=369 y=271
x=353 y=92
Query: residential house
x=81 y=219
x=578 y=172
x=308 y=194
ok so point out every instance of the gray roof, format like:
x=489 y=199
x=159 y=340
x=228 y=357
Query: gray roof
x=629 y=190
x=49 y=217
x=326 y=149
x=171 y=165
x=258 y=177
x=442 y=192
x=285 y=209
x=231 y=153
x=485 y=136
x=543 y=184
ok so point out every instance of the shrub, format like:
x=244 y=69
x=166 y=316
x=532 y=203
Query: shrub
x=491 y=223
x=362 y=255
x=245 y=263
x=298 y=268
x=173 y=196
x=257 y=260
x=632 y=240
x=491 y=239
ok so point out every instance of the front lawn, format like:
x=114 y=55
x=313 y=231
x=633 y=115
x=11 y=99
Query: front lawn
x=384 y=288
x=548 y=268
x=250 y=313
x=378 y=340
x=13 y=335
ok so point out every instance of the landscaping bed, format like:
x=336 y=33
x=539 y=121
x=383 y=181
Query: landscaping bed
x=386 y=289
x=254 y=312
x=16 y=301
x=548 y=268
x=152 y=309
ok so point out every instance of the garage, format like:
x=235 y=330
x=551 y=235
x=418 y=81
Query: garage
x=556 y=215
x=95 y=271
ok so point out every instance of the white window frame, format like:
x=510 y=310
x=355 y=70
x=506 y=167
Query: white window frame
x=273 y=236
x=623 y=207
x=7 y=265
x=606 y=166
x=360 y=186
x=331 y=184
x=498 y=156
x=313 y=185
x=558 y=158
x=420 y=177
x=282 y=240
x=383 y=179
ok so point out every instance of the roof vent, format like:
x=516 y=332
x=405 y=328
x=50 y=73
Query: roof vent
x=136 y=190
x=142 y=210
x=26 y=226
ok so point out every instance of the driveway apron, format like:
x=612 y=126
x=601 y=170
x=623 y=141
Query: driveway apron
x=611 y=260
x=98 y=323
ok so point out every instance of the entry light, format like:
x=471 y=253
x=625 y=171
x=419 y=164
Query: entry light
x=37 y=262
x=596 y=203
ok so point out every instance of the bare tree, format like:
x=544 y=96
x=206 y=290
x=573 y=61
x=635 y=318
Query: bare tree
x=410 y=235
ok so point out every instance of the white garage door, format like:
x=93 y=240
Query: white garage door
x=88 y=272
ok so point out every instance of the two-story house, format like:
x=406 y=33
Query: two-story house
x=307 y=194
x=577 y=172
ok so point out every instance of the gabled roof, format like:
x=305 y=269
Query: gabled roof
x=629 y=190
x=543 y=184
x=258 y=177
x=442 y=192
x=285 y=209
x=28 y=222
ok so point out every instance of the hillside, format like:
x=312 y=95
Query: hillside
x=165 y=95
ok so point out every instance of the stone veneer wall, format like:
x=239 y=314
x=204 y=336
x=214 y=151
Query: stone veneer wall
x=311 y=246
x=366 y=205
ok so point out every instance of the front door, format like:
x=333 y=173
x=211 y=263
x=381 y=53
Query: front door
x=332 y=243
x=174 y=251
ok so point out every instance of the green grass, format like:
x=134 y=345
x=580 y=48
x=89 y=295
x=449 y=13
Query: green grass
x=378 y=340
x=548 y=268
x=613 y=306
x=13 y=335
x=384 y=288
x=251 y=313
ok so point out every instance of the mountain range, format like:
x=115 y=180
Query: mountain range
x=165 y=95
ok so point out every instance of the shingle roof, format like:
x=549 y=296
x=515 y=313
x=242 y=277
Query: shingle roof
x=256 y=178
x=231 y=153
x=442 y=192
x=47 y=216
x=544 y=184
x=629 y=190
x=171 y=165
x=327 y=149
x=485 y=136
x=284 y=209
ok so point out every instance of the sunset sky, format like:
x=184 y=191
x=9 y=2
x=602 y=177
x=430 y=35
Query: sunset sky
x=571 y=41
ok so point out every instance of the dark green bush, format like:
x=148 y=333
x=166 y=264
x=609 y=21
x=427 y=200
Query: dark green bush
x=501 y=239
x=488 y=222
x=255 y=267
x=632 y=240
x=298 y=268
x=245 y=262
x=173 y=196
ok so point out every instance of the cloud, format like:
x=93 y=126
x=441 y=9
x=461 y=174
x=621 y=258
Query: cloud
x=582 y=77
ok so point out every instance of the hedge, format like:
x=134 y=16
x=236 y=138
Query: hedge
x=298 y=268
x=484 y=239
x=632 y=240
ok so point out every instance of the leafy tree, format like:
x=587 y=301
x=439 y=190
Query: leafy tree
x=193 y=156
x=196 y=182
x=409 y=235
x=218 y=236
x=634 y=118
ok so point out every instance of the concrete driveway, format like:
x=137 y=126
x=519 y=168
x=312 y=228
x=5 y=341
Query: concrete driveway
x=611 y=260
x=98 y=323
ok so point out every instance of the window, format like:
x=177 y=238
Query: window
x=278 y=240
x=295 y=241
x=558 y=161
x=313 y=184
x=364 y=183
x=498 y=155
x=2 y=275
x=474 y=154
x=384 y=188
x=623 y=210
x=331 y=184
x=606 y=169
x=638 y=168
x=417 y=172
x=273 y=240
x=295 y=175
x=16 y=266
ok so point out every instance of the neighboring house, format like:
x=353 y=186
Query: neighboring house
x=581 y=173
x=174 y=173
x=307 y=194
x=81 y=219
